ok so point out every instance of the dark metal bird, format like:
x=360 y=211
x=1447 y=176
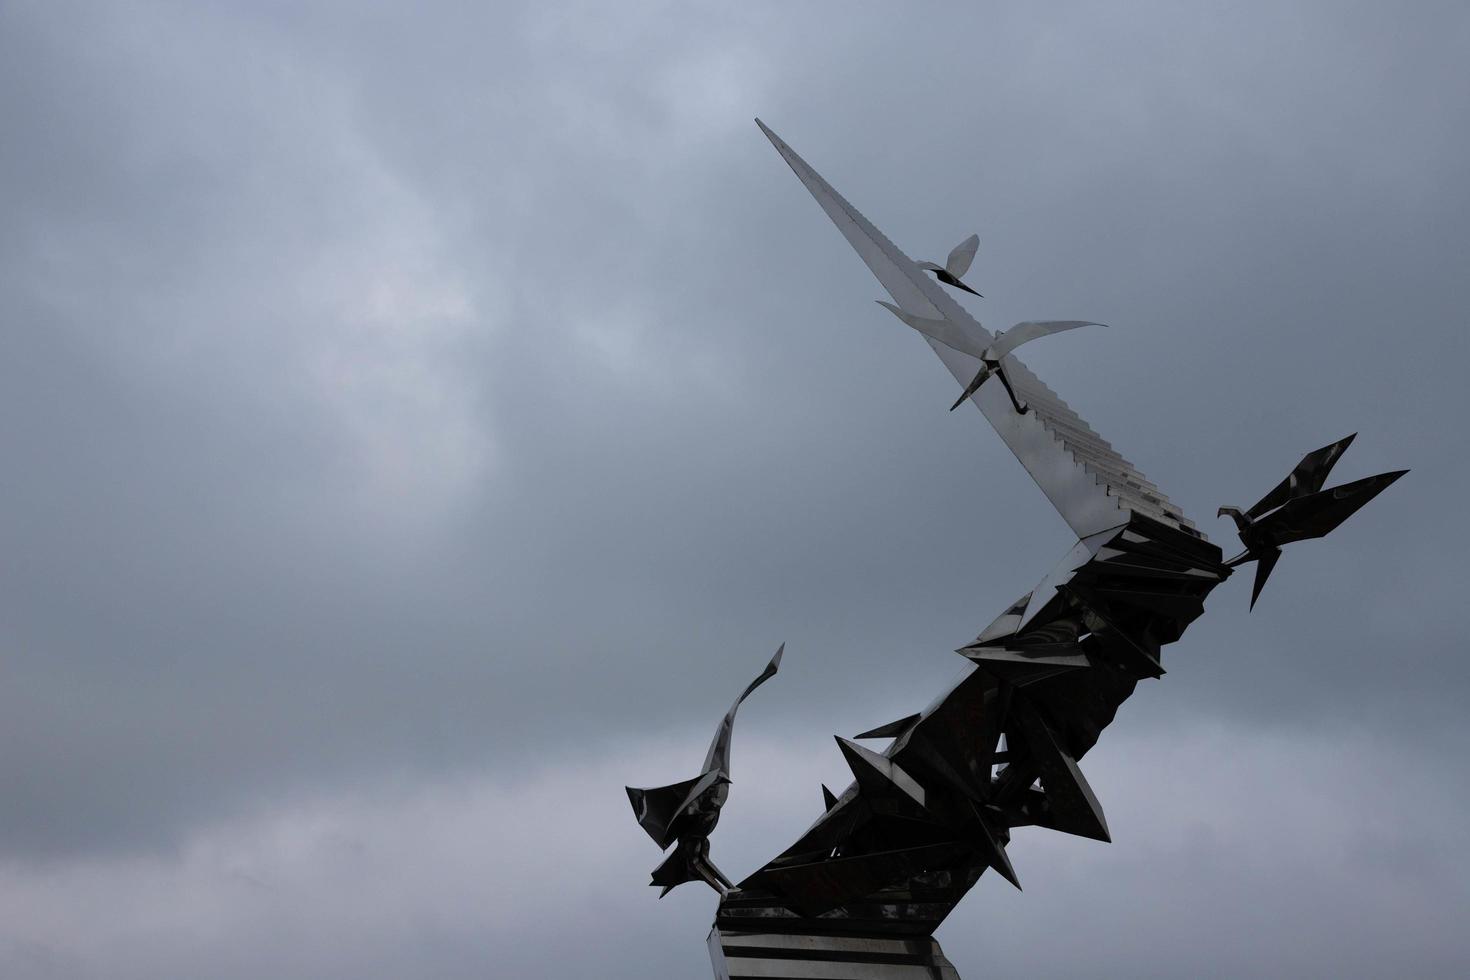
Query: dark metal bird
x=1298 y=508
x=687 y=812
x=956 y=265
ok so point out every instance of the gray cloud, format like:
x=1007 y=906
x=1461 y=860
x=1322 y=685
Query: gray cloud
x=396 y=400
x=410 y=880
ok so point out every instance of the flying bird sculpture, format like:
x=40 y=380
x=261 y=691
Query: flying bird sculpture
x=991 y=354
x=686 y=813
x=956 y=265
x=1298 y=508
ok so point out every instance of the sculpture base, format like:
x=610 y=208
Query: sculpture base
x=750 y=955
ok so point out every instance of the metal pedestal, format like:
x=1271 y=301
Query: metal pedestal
x=771 y=955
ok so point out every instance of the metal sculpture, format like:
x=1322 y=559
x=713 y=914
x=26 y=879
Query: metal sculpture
x=860 y=893
x=687 y=812
x=1298 y=508
x=956 y=265
x=992 y=354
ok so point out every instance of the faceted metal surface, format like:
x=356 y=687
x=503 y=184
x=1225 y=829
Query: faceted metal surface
x=991 y=359
x=860 y=893
x=686 y=813
x=891 y=730
x=956 y=265
x=747 y=955
x=1298 y=508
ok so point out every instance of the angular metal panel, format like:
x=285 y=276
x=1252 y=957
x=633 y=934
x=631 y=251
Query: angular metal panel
x=891 y=730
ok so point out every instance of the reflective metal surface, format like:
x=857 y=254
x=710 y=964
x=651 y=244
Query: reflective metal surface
x=685 y=813
x=991 y=363
x=861 y=891
x=956 y=265
x=742 y=955
x=1298 y=508
x=1090 y=484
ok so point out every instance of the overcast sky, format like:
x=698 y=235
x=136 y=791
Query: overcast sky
x=420 y=420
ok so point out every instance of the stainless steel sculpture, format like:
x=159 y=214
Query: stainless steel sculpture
x=990 y=356
x=860 y=893
x=956 y=265
x=1298 y=508
x=687 y=812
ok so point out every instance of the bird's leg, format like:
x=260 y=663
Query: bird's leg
x=974 y=385
x=1020 y=409
x=1241 y=558
x=708 y=873
x=712 y=877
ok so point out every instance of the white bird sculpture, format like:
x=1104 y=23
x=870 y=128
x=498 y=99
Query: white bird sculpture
x=991 y=355
x=956 y=265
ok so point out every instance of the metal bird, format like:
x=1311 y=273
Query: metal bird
x=956 y=265
x=991 y=355
x=687 y=812
x=1298 y=508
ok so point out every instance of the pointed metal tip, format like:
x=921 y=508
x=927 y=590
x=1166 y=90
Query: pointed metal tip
x=853 y=754
x=891 y=730
x=1265 y=562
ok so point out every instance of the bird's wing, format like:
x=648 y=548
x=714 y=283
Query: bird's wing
x=1308 y=477
x=1320 y=513
x=961 y=256
x=1030 y=330
x=718 y=759
x=942 y=330
x=1091 y=485
x=657 y=809
x=930 y=267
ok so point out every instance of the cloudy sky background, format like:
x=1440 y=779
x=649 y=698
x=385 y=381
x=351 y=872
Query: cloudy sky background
x=420 y=422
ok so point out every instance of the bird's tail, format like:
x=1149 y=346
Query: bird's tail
x=1264 y=563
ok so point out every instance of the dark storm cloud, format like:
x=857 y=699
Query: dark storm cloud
x=390 y=396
